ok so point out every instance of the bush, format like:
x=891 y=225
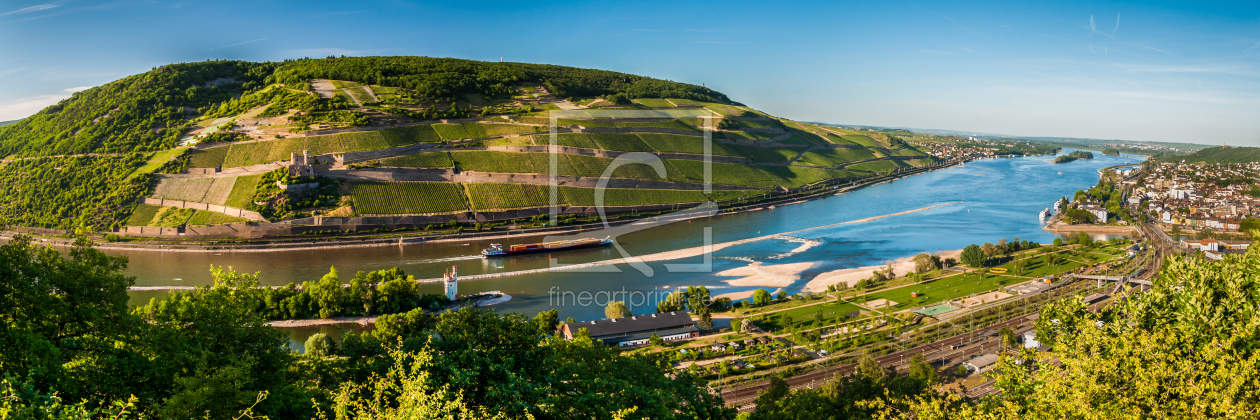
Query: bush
x=320 y=345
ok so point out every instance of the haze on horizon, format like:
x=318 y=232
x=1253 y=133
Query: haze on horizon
x=1177 y=72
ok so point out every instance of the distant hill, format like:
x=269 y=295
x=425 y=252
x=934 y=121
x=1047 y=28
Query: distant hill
x=1221 y=155
x=4 y=123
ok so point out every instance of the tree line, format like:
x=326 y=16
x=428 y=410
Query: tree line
x=70 y=348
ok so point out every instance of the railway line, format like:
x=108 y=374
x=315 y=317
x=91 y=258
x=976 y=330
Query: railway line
x=942 y=352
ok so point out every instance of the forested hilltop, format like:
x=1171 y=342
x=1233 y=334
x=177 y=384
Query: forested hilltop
x=1220 y=155
x=148 y=112
x=436 y=140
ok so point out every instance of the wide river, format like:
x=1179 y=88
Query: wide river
x=1000 y=199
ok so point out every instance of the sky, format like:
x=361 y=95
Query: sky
x=1150 y=71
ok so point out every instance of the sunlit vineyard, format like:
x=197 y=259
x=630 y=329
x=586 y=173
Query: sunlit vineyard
x=420 y=160
x=489 y=197
x=407 y=197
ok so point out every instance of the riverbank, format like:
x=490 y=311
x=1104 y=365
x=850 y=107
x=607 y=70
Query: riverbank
x=1060 y=227
x=367 y=241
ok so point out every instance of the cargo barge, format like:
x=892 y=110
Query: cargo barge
x=497 y=250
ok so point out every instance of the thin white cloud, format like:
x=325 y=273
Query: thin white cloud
x=76 y=89
x=1113 y=31
x=1252 y=48
x=31 y=9
x=965 y=49
x=1092 y=27
x=1180 y=69
x=25 y=107
x=233 y=45
x=936 y=52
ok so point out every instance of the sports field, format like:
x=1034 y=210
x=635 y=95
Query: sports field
x=804 y=316
x=942 y=290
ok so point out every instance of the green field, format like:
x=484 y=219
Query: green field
x=619 y=142
x=803 y=138
x=207 y=158
x=760 y=154
x=1037 y=266
x=678 y=143
x=487 y=161
x=749 y=135
x=804 y=317
x=407 y=197
x=206 y=218
x=171 y=217
x=420 y=160
x=878 y=166
x=494 y=130
x=494 y=197
x=156 y=161
x=655 y=103
x=142 y=214
x=836 y=139
x=832 y=158
x=245 y=154
x=579 y=140
x=359 y=93
x=187 y=189
x=761 y=124
x=908 y=152
x=862 y=140
x=242 y=191
x=942 y=290
x=630 y=197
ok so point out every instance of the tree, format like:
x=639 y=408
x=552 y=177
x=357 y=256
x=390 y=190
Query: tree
x=973 y=256
x=926 y=262
x=781 y=296
x=869 y=368
x=1058 y=242
x=818 y=318
x=656 y=340
x=616 y=309
x=737 y=324
x=1085 y=240
x=921 y=370
x=761 y=297
x=546 y=322
x=320 y=345
x=705 y=322
x=989 y=250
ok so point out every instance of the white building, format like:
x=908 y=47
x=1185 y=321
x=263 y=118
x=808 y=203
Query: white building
x=450 y=281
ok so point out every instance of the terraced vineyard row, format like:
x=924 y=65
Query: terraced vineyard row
x=245 y=154
x=407 y=197
x=493 y=197
x=420 y=160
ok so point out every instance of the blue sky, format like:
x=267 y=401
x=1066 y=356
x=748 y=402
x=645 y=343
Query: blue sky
x=1136 y=71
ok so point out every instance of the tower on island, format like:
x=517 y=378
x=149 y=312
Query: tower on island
x=451 y=282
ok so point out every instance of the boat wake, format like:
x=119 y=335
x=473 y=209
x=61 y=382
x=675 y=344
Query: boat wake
x=806 y=244
x=445 y=260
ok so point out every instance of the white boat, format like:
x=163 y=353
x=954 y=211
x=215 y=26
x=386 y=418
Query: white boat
x=1044 y=214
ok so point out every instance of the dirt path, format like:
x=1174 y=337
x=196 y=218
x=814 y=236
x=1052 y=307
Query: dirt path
x=369 y=91
x=323 y=88
x=356 y=100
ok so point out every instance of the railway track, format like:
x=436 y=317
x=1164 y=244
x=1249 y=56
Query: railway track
x=942 y=352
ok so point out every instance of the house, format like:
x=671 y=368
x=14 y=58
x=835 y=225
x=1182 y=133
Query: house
x=981 y=363
x=634 y=331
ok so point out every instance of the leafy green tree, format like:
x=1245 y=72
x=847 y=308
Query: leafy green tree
x=546 y=322
x=616 y=309
x=973 y=256
x=320 y=345
x=761 y=297
x=656 y=340
x=922 y=371
x=328 y=294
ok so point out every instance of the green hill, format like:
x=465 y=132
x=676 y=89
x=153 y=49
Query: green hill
x=83 y=161
x=1221 y=155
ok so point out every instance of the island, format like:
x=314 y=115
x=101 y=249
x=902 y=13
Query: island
x=1074 y=156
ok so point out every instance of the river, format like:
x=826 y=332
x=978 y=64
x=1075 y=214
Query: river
x=1000 y=199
